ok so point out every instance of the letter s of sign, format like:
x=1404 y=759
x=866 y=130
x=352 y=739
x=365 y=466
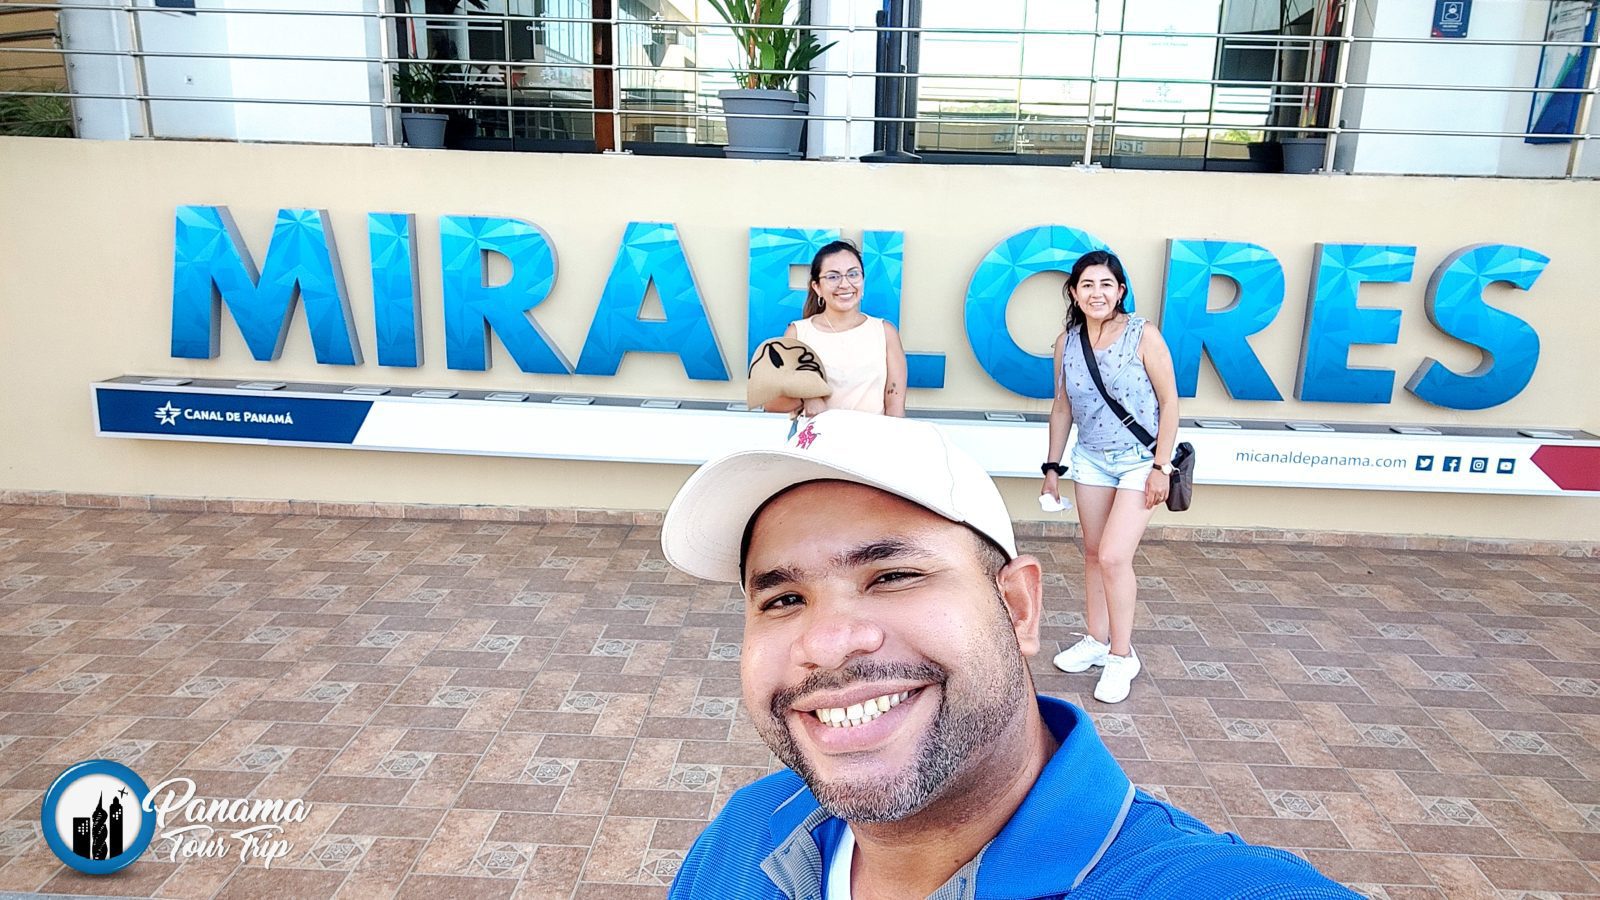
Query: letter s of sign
x=1455 y=306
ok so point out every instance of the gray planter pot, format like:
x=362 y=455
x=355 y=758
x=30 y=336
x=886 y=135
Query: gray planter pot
x=1302 y=156
x=425 y=130
x=763 y=138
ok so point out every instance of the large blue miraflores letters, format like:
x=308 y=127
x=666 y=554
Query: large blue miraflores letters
x=210 y=263
x=1047 y=248
x=1191 y=328
x=883 y=257
x=1456 y=307
x=773 y=303
x=213 y=271
x=396 y=306
x=651 y=252
x=1334 y=322
x=472 y=308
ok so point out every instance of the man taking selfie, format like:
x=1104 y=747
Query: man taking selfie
x=888 y=624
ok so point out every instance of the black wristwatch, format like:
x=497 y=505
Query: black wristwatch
x=1049 y=467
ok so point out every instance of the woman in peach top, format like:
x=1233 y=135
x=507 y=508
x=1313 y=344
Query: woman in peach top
x=861 y=354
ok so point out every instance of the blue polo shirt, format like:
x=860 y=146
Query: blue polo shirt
x=1083 y=830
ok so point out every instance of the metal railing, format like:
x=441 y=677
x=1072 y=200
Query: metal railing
x=1096 y=110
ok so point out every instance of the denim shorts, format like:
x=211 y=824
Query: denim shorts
x=1125 y=469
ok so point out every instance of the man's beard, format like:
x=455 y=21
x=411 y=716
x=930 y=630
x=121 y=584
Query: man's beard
x=992 y=688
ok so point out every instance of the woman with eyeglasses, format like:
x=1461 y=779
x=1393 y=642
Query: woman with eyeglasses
x=861 y=355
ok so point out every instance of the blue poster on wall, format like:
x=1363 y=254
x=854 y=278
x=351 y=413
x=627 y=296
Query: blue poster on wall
x=1450 y=18
x=1563 y=67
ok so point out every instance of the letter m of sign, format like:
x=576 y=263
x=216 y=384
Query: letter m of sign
x=212 y=266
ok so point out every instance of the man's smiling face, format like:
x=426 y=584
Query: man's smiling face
x=880 y=658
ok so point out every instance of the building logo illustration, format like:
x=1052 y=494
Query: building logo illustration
x=99 y=836
x=92 y=817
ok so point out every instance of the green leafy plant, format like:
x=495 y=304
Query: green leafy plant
x=36 y=116
x=428 y=84
x=789 y=48
x=421 y=84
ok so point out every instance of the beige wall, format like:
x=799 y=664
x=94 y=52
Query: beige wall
x=86 y=237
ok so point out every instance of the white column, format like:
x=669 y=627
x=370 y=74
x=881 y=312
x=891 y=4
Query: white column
x=850 y=85
x=354 y=36
x=93 y=29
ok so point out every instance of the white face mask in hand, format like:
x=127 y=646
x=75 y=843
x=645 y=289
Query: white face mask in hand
x=1051 y=504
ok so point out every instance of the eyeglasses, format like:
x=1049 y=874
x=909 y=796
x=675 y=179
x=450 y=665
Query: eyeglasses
x=832 y=279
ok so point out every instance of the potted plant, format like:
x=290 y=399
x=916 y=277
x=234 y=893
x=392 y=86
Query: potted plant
x=420 y=86
x=41 y=111
x=782 y=46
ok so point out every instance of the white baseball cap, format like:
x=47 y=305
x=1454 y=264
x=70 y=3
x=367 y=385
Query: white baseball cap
x=705 y=525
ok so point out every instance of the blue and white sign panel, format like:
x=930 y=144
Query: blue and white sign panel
x=484 y=427
x=614 y=430
x=1452 y=463
x=1451 y=18
x=240 y=416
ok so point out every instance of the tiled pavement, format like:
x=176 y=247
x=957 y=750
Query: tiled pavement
x=498 y=709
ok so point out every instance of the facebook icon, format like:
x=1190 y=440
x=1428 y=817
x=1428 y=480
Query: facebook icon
x=1505 y=467
x=1452 y=464
x=1424 y=463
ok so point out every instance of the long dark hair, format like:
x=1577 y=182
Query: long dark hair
x=1093 y=258
x=814 y=302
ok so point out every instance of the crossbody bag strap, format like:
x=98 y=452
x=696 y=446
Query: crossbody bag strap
x=1117 y=409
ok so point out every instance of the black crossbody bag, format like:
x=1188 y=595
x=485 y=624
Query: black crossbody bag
x=1182 y=487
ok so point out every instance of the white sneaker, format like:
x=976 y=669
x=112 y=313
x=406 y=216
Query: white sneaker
x=1085 y=653
x=1117 y=678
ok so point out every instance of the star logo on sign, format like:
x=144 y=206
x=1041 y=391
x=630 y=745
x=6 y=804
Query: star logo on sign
x=167 y=415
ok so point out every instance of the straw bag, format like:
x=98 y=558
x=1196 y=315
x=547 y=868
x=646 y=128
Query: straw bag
x=785 y=367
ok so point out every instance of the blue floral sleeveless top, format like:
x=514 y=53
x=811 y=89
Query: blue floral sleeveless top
x=1125 y=379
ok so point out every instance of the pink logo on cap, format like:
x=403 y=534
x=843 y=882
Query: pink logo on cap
x=805 y=437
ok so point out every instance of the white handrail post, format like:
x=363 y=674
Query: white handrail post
x=1094 y=88
x=141 y=84
x=1347 y=21
x=1580 y=130
x=384 y=76
x=616 y=81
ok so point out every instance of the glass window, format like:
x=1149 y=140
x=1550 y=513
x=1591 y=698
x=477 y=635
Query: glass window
x=522 y=54
x=1035 y=87
x=968 y=90
x=1156 y=94
x=666 y=97
x=1055 y=93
